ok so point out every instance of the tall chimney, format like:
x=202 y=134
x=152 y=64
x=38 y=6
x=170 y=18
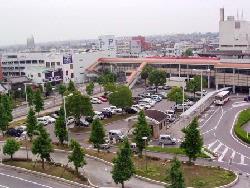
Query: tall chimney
x=221 y=14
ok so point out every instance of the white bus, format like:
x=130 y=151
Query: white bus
x=222 y=97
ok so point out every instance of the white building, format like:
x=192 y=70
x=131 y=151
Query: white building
x=107 y=42
x=234 y=34
x=31 y=43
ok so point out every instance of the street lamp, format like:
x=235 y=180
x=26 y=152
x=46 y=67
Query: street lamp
x=19 y=91
x=201 y=71
x=145 y=141
x=65 y=113
x=53 y=90
x=25 y=89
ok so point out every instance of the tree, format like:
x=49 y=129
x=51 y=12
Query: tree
x=7 y=104
x=90 y=88
x=121 y=98
x=194 y=84
x=3 y=119
x=38 y=101
x=48 y=88
x=157 y=77
x=11 y=147
x=97 y=134
x=176 y=94
x=77 y=156
x=176 y=175
x=71 y=86
x=31 y=123
x=142 y=129
x=30 y=95
x=123 y=168
x=40 y=87
x=188 y=52
x=193 y=141
x=42 y=145
x=145 y=72
x=60 y=128
x=110 y=86
x=79 y=105
x=61 y=89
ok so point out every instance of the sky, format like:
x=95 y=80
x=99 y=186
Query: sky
x=57 y=20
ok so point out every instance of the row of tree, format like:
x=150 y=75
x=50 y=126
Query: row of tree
x=6 y=108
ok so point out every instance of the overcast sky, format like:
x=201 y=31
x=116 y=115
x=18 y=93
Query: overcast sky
x=52 y=20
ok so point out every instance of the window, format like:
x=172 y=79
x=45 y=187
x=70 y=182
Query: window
x=72 y=75
x=39 y=74
x=47 y=64
x=58 y=63
x=34 y=61
x=71 y=66
x=28 y=62
x=67 y=73
x=53 y=64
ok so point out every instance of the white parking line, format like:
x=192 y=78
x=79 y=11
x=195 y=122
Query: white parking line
x=33 y=182
x=211 y=145
x=242 y=159
x=223 y=154
x=3 y=186
x=233 y=154
x=217 y=148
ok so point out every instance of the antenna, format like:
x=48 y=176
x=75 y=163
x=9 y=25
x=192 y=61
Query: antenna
x=242 y=15
x=237 y=14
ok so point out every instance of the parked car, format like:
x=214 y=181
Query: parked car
x=42 y=121
x=148 y=100
x=103 y=99
x=166 y=87
x=49 y=119
x=157 y=98
x=113 y=109
x=107 y=114
x=134 y=147
x=55 y=116
x=189 y=103
x=98 y=115
x=116 y=134
x=131 y=110
x=166 y=140
x=89 y=119
x=198 y=93
x=70 y=120
x=179 y=107
x=84 y=123
x=13 y=132
x=170 y=117
x=138 y=107
x=95 y=101
x=144 y=105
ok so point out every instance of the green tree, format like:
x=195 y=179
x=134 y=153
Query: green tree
x=71 y=86
x=176 y=94
x=145 y=72
x=48 y=88
x=193 y=141
x=3 y=119
x=77 y=156
x=61 y=89
x=194 y=85
x=30 y=95
x=111 y=87
x=31 y=123
x=60 y=128
x=121 y=98
x=90 y=88
x=123 y=168
x=7 y=104
x=40 y=87
x=188 y=52
x=42 y=145
x=11 y=147
x=142 y=129
x=176 y=174
x=38 y=101
x=97 y=134
x=157 y=77
x=79 y=105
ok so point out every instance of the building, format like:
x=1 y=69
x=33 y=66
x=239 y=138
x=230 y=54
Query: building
x=144 y=44
x=234 y=33
x=31 y=43
x=107 y=42
x=128 y=48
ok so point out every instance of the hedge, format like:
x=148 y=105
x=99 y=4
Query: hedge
x=243 y=118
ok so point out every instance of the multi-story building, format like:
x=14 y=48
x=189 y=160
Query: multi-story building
x=107 y=42
x=128 y=48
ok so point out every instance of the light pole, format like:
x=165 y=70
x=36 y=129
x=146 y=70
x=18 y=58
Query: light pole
x=65 y=114
x=25 y=89
x=54 y=97
x=201 y=71
x=145 y=141
x=19 y=92
x=183 y=98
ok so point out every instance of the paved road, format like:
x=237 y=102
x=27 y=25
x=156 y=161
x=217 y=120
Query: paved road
x=216 y=127
x=13 y=179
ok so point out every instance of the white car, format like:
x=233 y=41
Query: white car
x=148 y=101
x=95 y=101
x=70 y=120
x=117 y=110
x=50 y=119
x=98 y=115
x=42 y=121
x=138 y=107
x=144 y=105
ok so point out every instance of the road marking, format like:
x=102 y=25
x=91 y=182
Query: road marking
x=223 y=154
x=211 y=145
x=242 y=159
x=217 y=148
x=233 y=155
x=208 y=118
x=3 y=186
x=33 y=182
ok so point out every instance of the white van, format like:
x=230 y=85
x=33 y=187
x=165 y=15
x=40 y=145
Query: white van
x=116 y=134
x=166 y=140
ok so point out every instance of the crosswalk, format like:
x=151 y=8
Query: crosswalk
x=226 y=154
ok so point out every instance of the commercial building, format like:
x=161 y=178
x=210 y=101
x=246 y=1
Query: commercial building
x=107 y=42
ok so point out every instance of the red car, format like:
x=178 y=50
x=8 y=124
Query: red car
x=103 y=99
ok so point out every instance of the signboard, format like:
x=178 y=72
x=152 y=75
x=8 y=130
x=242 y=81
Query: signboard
x=67 y=59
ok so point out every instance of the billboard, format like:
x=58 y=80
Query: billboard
x=67 y=59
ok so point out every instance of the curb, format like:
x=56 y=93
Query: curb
x=72 y=183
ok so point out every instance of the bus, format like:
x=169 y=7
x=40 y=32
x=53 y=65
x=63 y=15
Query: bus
x=222 y=97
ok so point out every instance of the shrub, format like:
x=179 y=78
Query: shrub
x=243 y=118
